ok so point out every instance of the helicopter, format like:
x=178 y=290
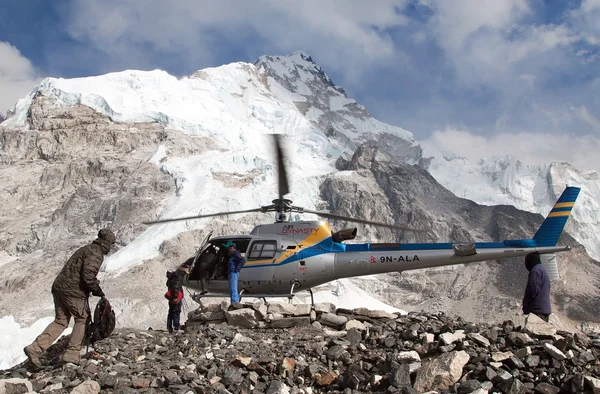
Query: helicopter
x=285 y=257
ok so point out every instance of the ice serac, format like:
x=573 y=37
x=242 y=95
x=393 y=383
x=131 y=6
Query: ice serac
x=534 y=188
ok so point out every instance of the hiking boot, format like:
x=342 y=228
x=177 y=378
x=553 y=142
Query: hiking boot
x=170 y=330
x=33 y=353
x=71 y=358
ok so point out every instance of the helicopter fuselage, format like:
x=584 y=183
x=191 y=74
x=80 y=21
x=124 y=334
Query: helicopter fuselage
x=299 y=255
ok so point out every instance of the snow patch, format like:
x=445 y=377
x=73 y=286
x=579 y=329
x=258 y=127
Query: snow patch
x=14 y=337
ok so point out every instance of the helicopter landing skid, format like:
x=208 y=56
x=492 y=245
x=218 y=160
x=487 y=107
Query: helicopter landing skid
x=197 y=297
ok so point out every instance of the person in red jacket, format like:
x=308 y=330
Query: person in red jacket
x=175 y=296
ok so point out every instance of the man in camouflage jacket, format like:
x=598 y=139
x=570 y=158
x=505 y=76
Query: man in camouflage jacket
x=70 y=290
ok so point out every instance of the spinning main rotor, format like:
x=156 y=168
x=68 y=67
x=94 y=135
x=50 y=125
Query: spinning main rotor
x=283 y=206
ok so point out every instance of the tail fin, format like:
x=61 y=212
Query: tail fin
x=550 y=230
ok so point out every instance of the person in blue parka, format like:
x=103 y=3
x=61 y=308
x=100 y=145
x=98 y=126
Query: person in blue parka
x=234 y=266
x=537 y=293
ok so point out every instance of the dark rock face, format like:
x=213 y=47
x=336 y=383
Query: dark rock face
x=445 y=354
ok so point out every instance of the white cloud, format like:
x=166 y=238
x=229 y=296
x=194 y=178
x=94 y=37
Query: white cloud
x=587 y=18
x=531 y=148
x=17 y=76
x=456 y=21
x=489 y=42
x=340 y=37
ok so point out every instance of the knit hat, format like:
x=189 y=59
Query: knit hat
x=107 y=235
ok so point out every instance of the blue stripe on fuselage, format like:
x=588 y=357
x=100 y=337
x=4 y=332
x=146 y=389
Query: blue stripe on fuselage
x=328 y=246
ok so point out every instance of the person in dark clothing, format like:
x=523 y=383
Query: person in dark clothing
x=175 y=296
x=70 y=291
x=234 y=266
x=206 y=261
x=537 y=293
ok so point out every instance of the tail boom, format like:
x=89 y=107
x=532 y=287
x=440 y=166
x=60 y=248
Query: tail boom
x=379 y=262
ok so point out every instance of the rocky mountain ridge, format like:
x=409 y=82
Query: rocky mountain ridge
x=283 y=348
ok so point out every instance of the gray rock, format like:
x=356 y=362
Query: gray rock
x=593 y=383
x=354 y=378
x=15 y=386
x=479 y=339
x=408 y=357
x=468 y=386
x=350 y=324
x=286 y=322
x=354 y=336
x=441 y=372
x=546 y=388
x=400 y=375
x=242 y=317
x=278 y=387
x=539 y=328
x=374 y=314
x=87 y=387
x=284 y=309
x=554 y=352
x=520 y=338
x=324 y=307
x=331 y=320
x=335 y=352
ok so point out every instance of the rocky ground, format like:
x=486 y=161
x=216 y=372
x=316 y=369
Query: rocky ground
x=285 y=348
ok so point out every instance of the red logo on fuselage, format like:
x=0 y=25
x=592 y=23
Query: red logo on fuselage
x=289 y=229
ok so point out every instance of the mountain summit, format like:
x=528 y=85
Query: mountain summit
x=291 y=70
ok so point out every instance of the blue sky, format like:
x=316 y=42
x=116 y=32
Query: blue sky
x=473 y=77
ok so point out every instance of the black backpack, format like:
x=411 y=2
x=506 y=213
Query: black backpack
x=103 y=324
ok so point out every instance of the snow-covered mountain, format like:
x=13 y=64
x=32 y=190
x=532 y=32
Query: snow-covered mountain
x=126 y=147
x=236 y=103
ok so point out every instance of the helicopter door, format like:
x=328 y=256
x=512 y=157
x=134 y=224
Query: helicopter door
x=195 y=272
x=260 y=263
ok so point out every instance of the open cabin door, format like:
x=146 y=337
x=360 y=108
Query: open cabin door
x=194 y=274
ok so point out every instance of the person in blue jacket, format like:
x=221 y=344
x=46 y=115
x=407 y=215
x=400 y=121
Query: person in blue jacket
x=537 y=293
x=234 y=266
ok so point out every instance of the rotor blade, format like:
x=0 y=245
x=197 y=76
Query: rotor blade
x=354 y=220
x=203 y=216
x=281 y=172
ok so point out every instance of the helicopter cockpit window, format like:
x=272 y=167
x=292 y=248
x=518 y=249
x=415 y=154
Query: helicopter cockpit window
x=262 y=250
